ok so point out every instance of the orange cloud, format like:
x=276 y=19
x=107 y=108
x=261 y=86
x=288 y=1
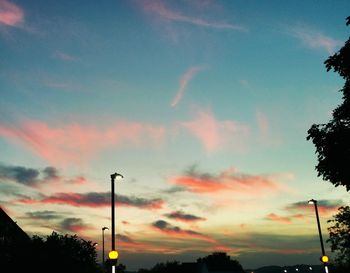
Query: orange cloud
x=215 y=134
x=277 y=218
x=10 y=14
x=76 y=143
x=228 y=180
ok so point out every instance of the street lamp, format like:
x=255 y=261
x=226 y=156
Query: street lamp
x=113 y=177
x=103 y=244
x=313 y=201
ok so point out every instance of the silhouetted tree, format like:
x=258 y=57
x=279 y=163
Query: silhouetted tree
x=56 y=254
x=220 y=261
x=339 y=237
x=332 y=140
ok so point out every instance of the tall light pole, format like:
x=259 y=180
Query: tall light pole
x=103 y=244
x=113 y=177
x=313 y=201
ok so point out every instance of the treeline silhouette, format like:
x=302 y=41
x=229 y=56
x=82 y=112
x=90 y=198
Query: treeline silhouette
x=216 y=262
x=69 y=253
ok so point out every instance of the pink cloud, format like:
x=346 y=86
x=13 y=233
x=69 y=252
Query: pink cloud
x=228 y=181
x=10 y=14
x=215 y=134
x=185 y=78
x=76 y=143
x=158 y=8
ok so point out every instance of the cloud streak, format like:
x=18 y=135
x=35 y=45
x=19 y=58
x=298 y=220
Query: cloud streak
x=158 y=8
x=177 y=232
x=184 y=80
x=43 y=215
x=10 y=14
x=324 y=207
x=184 y=217
x=95 y=200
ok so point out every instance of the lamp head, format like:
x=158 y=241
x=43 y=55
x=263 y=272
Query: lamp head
x=116 y=176
x=312 y=201
x=104 y=228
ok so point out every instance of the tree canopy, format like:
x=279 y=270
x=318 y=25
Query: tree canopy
x=339 y=237
x=56 y=254
x=332 y=140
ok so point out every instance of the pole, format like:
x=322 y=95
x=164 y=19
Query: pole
x=103 y=246
x=319 y=228
x=320 y=233
x=112 y=205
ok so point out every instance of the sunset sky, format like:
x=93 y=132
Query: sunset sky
x=202 y=105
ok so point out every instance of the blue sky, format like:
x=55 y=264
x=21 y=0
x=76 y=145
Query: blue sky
x=203 y=106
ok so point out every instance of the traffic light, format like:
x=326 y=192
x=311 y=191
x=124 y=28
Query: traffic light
x=324 y=259
x=113 y=257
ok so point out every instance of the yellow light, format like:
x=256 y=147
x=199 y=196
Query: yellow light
x=113 y=254
x=325 y=259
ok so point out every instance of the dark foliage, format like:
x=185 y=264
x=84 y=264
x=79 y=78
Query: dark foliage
x=168 y=267
x=55 y=254
x=339 y=237
x=220 y=261
x=332 y=140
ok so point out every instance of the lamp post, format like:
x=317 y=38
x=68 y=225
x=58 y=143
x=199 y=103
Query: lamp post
x=114 y=253
x=313 y=201
x=113 y=177
x=103 y=244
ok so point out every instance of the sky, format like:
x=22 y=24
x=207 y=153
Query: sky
x=203 y=106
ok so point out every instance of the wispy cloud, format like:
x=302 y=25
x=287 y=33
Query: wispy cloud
x=228 y=180
x=76 y=143
x=176 y=231
x=216 y=134
x=184 y=217
x=315 y=39
x=43 y=215
x=10 y=14
x=184 y=80
x=158 y=8
x=63 y=56
x=263 y=124
x=95 y=200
